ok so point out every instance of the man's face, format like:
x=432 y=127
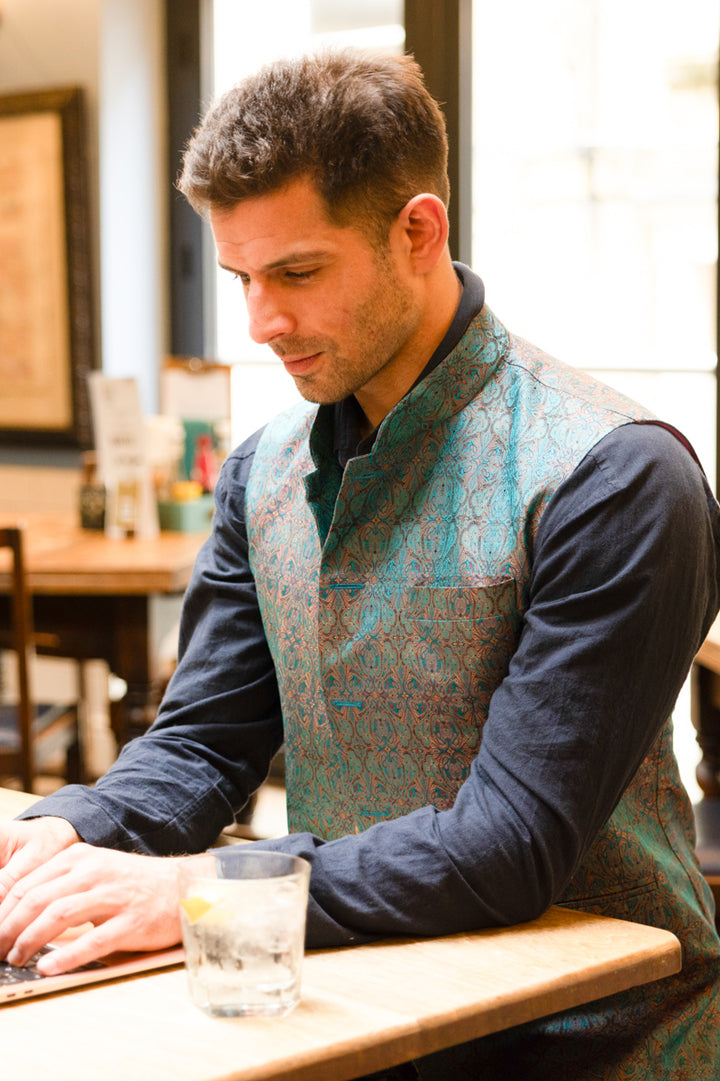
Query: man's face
x=341 y=314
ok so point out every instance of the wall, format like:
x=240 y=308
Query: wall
x=115 y=50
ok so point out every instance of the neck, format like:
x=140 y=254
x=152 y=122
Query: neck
x=377 y=398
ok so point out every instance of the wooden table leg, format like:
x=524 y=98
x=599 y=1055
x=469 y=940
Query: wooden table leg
x=135 y=660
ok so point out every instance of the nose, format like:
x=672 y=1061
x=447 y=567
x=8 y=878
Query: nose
x=269 y=314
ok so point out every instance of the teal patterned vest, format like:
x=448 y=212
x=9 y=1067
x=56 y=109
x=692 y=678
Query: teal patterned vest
x=392 y=596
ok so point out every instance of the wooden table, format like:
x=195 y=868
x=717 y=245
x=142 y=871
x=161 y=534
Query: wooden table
x=362 y=1009
x=103 y=598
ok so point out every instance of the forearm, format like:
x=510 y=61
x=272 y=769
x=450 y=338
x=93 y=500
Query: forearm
x=174 y=789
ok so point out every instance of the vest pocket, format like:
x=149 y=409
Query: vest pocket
x=455 y=642
x=486 y=600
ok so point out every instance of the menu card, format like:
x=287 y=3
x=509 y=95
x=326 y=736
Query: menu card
x=122 y=461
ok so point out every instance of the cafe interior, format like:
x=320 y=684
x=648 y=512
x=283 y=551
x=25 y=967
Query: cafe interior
x=121 y=337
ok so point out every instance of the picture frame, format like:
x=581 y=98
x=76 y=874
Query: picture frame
x=47 y=333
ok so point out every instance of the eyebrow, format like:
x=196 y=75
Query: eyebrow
x=293 y=259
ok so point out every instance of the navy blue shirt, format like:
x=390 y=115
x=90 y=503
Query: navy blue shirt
x=624 y=587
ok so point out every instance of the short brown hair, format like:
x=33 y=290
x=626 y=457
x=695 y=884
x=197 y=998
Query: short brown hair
x=363 y=128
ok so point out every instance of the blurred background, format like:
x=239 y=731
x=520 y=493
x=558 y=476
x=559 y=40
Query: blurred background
x=584 y=169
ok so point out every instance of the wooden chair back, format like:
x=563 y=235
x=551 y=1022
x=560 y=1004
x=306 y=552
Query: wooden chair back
x=30 y=731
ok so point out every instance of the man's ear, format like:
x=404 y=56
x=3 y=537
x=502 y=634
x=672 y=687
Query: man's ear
x=424 y=225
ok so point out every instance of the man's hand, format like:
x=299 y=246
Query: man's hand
x=130 y=900
x=26 y=845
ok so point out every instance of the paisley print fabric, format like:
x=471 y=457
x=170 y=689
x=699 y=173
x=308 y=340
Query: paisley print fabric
x=392 y=596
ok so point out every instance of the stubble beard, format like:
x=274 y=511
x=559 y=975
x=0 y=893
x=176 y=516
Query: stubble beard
x=383 y=325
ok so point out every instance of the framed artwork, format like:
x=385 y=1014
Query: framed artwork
x=47 y=340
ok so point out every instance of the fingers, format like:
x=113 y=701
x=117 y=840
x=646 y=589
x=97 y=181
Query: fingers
x=16 y=868
x=23 y=871
x=97 y=942
x=130 y=900
x=26 y=910
x=29 y=878
x=26 y=845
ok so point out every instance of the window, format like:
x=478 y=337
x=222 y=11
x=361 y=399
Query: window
x=595 y=159
x=594 y=191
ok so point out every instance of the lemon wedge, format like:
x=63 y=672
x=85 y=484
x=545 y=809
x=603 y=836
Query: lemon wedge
x=195 y=907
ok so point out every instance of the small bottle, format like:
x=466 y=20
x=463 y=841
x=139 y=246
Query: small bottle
x=92 y=494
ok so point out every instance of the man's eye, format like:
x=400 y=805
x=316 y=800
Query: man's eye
x=243 y=278
x=299 y=275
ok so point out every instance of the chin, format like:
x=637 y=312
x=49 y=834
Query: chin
x=318 y=396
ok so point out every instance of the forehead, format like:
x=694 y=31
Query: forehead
x=270 y=227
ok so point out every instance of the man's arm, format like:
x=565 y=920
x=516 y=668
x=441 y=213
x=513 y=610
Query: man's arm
x=175 y=788
x=171 y=791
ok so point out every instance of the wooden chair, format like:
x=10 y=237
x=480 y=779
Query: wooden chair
x=33 y=737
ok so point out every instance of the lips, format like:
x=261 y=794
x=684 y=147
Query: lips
x=299 y=365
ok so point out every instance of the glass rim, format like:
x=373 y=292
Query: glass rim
x=286 y=864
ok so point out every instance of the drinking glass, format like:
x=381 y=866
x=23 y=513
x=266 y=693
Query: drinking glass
x=243 y=917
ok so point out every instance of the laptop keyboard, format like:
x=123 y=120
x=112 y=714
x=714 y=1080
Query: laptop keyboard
x=10 y=974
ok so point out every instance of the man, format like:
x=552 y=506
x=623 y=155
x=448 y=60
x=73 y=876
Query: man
x=463 y=585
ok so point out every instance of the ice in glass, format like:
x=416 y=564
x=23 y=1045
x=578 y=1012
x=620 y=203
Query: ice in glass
x=243 y=918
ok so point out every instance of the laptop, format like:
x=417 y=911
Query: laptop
x=17 y=983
